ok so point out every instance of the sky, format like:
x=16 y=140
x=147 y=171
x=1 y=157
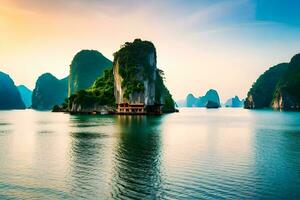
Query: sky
x=201 y=44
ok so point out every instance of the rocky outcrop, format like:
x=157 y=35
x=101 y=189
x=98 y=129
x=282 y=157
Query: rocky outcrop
x=92 y=109
x=262 y=92
x=137 y=80
x=49 y=91
x=278 y=87
x=211 y=95
x=234 y=102
x=284 y=101
x=86 y=67
x=10 y=97
x=143 y=74
x=26 y=95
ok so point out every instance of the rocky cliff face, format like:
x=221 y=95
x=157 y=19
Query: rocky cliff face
x=86 y=67
x=147 y=96
x=10 y=97
x=92 y=108
x=49 y=91
x=137 y=78
x=26 y=95
x=284 y=101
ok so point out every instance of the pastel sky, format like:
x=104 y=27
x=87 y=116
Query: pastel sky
x=201 y=44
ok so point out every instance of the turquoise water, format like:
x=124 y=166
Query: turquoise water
x=194 y=154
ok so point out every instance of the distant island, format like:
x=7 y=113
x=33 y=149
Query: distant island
x=85 y=68
x=134 y=85
x=277 y=88
x=10 y=95
x=211 y=100
x=234 y=102
x=49 y=91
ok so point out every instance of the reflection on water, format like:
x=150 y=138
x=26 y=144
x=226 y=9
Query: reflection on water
x=136 y=168
x=88 y=156
x=194 y=154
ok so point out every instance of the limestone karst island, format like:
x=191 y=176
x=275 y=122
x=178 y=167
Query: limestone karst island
x=133 y=85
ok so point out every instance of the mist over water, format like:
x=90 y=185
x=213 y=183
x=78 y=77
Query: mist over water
x=197 y=153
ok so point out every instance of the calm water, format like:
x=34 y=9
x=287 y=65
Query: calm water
x=194 y=154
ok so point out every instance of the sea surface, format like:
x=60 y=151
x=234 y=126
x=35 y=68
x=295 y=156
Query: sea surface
x=194 y=154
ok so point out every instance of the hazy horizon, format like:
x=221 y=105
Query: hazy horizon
x=224 y=45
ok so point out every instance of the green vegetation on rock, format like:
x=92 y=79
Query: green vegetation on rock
x=86 y=67
x=49 y=91
x=162 y=93
x=290 y=82
x=262 y=91
x=133 y=59
x=278 y=87
x=101 y=92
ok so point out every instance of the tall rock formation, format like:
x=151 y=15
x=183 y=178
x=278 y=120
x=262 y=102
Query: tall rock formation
x=26 y=95
x=137 y=79
x=49 y=91
x=135 y=73
x=10 y=97
x=86 y=67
